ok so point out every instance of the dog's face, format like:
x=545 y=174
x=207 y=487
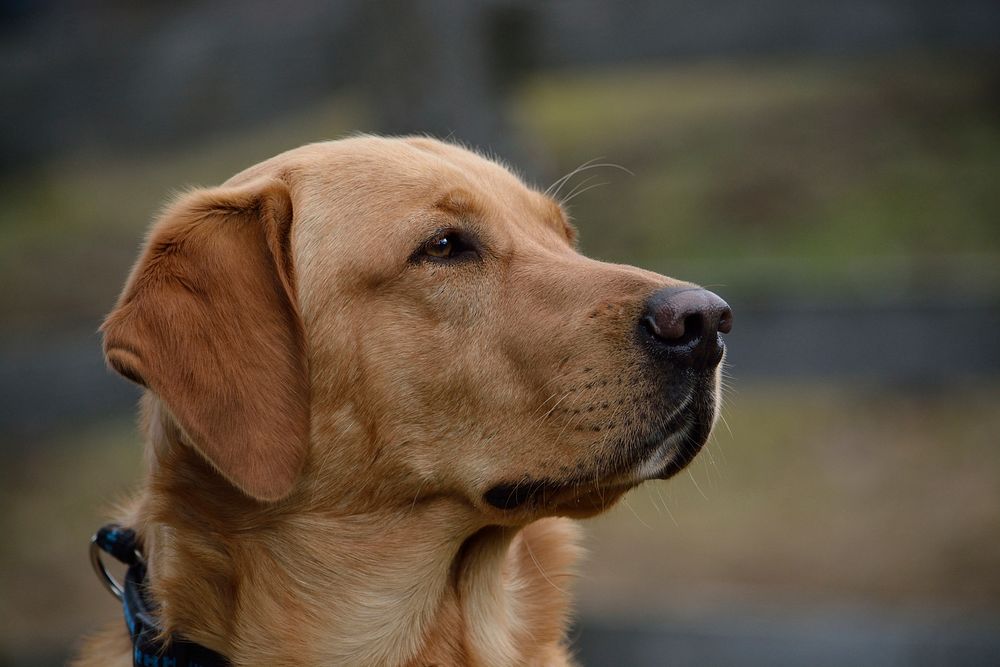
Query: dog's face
x=456 y=342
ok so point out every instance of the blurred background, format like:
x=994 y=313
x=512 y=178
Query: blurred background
x=831 y=168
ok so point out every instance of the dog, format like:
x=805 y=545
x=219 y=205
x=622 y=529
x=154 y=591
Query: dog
x=380 y=383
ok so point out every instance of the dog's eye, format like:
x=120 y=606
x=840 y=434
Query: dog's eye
x=448 y=245
x=441 y=246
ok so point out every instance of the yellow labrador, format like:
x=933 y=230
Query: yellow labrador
x=378 y=379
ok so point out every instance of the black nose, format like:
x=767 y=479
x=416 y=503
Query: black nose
x=687 y=323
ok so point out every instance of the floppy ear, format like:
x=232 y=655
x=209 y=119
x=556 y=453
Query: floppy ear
x=208 y=321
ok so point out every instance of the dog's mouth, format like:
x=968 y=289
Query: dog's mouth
x=661 y=452
x=672 y=448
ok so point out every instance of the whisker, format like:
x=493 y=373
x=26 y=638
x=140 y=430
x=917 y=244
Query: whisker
x=580 y=185
x=635 y=514
x=542 y=404
x=725 y=423
x=527 y=547
x=665 y=507
x=652 y=500
x=577 y=193
x=416 y=495
x=559 y=182
x=695 y=482
x=589 y=164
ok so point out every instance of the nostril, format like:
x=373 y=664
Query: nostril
x=650 y=325
x=676 y=331
x=693 y=327
x=726 y=321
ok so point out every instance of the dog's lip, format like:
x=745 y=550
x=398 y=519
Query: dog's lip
x=593 y=497
x=677 y=442
x=579 y=494
x=679 y=450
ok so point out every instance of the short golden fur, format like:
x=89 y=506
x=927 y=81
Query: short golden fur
x=325 y=410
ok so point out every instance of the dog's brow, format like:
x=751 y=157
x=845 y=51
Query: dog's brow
x=459 y=203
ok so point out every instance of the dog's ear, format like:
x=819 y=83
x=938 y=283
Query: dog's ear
x=208 y=321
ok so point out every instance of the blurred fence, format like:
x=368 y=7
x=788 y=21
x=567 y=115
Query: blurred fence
x=129 y=77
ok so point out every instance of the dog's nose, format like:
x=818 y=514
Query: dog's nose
x=688 y=323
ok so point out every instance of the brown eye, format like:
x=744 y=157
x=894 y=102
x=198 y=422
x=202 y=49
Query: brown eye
x=441 y=247
x=447 y=246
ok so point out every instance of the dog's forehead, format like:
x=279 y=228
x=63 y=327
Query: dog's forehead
x=376 y=184
x=381 y=179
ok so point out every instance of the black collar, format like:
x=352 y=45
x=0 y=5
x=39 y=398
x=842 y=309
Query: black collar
x=149 y=648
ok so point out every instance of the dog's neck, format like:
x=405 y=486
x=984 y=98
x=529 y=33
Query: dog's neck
x=301 y=583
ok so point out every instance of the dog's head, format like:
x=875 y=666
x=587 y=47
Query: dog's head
x=389 y=318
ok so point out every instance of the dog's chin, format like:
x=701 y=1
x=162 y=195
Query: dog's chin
x=670 y=452
x=661 y=454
